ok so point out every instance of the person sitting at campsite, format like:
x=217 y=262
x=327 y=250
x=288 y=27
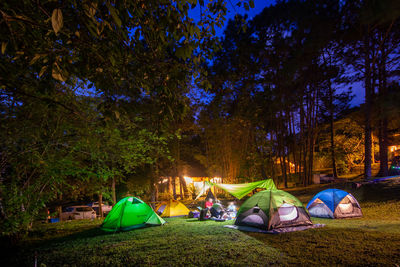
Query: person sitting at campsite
x=209 y=203
x=231 y=207
x=217 y=211
x=231 y=210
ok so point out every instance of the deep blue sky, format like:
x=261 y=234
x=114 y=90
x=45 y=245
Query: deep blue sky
x=259 y=5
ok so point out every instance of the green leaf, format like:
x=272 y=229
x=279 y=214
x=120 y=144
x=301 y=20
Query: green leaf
x=57 y=20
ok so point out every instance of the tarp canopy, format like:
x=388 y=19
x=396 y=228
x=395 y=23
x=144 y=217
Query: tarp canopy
x=239 y=190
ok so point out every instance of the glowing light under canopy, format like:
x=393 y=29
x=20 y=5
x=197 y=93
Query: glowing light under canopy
x=188 y=180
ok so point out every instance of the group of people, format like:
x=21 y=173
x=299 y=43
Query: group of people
x=219 y=212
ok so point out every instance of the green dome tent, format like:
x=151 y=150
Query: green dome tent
x=271 y=209
x=130 y=213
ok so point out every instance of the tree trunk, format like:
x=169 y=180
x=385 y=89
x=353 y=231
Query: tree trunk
x=174 y=187
x=101 y=204
x=59 y=207
x=154 y=192
x=331 y=117
x=383 y=120
x=181 y=188
x=372 y=148
x=383 y=150
x=368 y=106
x=184 y=186
x=170 y=185
x=272 y=159
x=293 y=136
x=303 y=146
x=154 y=185
x=114 y=197
x=263 y=173
x=284 y=170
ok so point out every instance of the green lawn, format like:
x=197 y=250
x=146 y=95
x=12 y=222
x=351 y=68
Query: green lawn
x=371 y=240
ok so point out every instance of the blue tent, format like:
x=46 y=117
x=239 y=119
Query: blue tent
x=334 y=203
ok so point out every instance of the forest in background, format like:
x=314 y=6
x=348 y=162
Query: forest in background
x=100 y=95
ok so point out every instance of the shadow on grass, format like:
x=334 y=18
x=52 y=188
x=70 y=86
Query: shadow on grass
x=76 y=236
x=194 y=220
x=372 y=247
x=19 y=251
x=209 y=220
x=380 y=192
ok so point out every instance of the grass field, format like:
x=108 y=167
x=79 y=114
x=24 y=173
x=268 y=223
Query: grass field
x=371 y=240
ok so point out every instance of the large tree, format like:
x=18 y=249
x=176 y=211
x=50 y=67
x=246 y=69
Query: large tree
x=134 y=58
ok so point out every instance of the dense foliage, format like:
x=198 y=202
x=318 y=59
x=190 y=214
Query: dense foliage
x=91 y=92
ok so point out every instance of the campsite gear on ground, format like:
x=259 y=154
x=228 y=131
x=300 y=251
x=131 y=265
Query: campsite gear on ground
x=271 y=209
x=231 y=207
x=334 y=203
x=238 y=190
x=204 y=214
x=231 y=211
x=194 y=214
x=276 y=230
x=172 y=208
x=131 y=213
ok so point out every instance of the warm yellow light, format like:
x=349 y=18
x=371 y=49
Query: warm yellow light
x=346 y=208
x=216 y=180
x=188 y=180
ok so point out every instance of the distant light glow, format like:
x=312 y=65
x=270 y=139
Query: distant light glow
x=216 y=180
x=188 y=180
